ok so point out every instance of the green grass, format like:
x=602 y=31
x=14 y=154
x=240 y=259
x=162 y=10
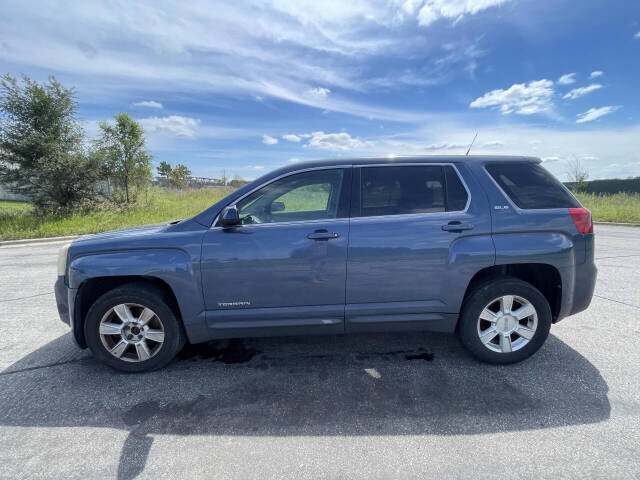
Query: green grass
x=621 y=207
x=17 y=219
x=158 y=205
x=12 y=207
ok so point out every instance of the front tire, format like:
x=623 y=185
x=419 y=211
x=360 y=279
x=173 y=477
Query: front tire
x=132 y=329
x=504 y=320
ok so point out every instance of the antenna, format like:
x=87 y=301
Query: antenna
x=472 y=141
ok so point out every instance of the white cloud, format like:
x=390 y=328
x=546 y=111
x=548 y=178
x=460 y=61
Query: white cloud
x=286 y=51
x=551 y=159
x=319 y=92
x=493 y=144
x=294 y=160
x=173 y=125
x=581 y=91
x=521 y=98
x=148 y=104
x=610 y=143
x=291 y=137
x=567 y=79
x=269 y=140
x=594 y=113
x=637 y=35
x=433 y=10
x=336 y=141
x=596 y=74
x=446 y=146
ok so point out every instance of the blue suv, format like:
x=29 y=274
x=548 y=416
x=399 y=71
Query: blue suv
x=493 y=248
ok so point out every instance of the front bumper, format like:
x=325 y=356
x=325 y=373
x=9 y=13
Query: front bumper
x=65 y=300
x=62 y=300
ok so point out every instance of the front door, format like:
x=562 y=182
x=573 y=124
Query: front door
x=400 y=272
x=283 y=269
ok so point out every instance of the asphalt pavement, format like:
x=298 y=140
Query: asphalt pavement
x=411 y=405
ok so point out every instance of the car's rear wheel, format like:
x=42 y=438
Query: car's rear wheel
x=504 y=320
x=133 y=329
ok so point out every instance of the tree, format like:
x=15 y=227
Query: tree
x=179 y=176
x=125 y=155
x=237 y=182
x=43 y=153
x=578 y=175
x=164 y=170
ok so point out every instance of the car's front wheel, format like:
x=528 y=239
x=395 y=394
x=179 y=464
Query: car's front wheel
x=132 y=328
x=504 y=320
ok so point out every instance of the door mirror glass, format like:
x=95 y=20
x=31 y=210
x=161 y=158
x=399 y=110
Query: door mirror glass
x=277 y=207
x=229 y=216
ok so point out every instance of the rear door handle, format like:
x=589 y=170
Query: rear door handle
x=456 y=226
x=322 y=235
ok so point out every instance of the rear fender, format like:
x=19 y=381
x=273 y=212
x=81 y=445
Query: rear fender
x=552 y=248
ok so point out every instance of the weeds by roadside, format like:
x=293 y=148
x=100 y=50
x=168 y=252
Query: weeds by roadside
x=18 y=220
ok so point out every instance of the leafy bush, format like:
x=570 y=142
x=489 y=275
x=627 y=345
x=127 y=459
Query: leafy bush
x=43 y=152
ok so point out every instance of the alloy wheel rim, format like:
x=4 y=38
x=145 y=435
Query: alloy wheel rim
x=507 y=323
x=131 y=332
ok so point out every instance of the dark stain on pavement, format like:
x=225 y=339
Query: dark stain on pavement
x=235 y=351
x=426 y=356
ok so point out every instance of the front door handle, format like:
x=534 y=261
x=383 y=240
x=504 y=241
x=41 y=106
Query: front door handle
x=322 y=235
x=456 y=226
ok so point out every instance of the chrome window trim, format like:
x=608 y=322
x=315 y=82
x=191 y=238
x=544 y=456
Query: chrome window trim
x=422 y=164
x=334 y=167
x=288 y=174
x=527 y=210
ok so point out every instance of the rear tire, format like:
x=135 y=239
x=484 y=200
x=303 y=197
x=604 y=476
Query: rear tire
x=504 y=320
x=132 y=328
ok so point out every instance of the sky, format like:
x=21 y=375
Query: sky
x=247 y=86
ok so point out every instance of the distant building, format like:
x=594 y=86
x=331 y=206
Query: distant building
x=7 y=195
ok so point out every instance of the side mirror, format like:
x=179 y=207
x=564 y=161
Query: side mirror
x=229 y=216
x=277 y=207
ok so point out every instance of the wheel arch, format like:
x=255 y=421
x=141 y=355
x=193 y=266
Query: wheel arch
x=543 y=276
x=93 y=288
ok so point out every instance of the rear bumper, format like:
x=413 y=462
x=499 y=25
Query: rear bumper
x=65 y=300
x=585 y=283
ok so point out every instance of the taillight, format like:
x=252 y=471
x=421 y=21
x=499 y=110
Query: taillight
x=582 y=219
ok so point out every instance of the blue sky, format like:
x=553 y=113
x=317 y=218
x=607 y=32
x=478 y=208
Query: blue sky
x=247 y=86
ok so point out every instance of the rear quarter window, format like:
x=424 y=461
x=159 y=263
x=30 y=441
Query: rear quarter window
x=531 y=186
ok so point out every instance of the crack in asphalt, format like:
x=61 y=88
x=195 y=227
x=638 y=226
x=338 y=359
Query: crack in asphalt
x=617 y=301
x=618 y=256
x=39 y=367
x=25 y=298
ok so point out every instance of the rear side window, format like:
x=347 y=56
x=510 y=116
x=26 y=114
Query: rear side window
x=408 y=189
x=456 y=194
x=530 y=186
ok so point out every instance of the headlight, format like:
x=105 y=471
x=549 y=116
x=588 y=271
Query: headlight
x=62 y=260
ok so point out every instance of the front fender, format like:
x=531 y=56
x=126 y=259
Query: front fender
x=171 y=265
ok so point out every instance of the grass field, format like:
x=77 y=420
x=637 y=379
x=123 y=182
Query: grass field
x=17 y=219
x=621 y=207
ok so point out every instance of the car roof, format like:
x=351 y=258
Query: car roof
x=389 y=160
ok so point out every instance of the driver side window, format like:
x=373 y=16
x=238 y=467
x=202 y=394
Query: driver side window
x=313 y=195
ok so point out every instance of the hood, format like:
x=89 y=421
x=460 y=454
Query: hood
x=141 y=231
x=171 y=234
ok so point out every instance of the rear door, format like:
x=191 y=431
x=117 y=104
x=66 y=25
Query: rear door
x=403 y=271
